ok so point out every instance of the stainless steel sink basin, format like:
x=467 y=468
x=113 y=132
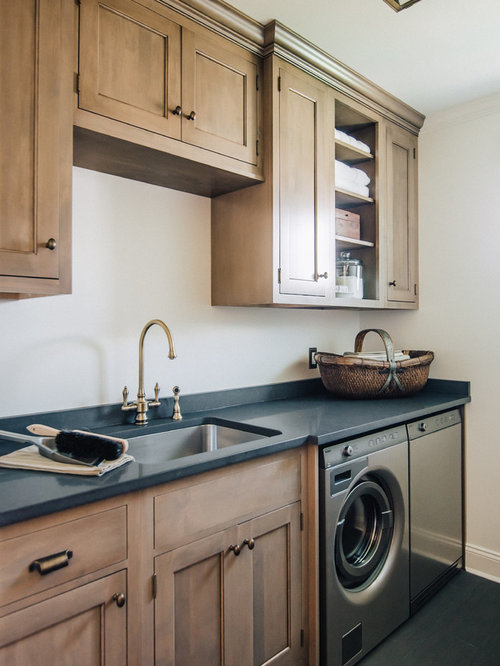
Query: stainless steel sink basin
x=190 y=440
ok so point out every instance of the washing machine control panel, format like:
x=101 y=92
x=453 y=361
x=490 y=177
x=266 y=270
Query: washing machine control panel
x=356 y=448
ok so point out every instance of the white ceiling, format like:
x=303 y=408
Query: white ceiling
x=432 y=55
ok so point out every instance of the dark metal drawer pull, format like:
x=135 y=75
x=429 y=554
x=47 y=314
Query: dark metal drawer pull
x=45 y=565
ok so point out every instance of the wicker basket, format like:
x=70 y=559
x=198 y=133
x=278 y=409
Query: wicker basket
x=351 y=377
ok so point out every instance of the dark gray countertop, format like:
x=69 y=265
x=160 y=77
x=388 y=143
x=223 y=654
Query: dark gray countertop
x=302 y=411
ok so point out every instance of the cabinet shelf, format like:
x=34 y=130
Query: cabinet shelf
x=345 y=152
x=344 y=242
x=346 y=198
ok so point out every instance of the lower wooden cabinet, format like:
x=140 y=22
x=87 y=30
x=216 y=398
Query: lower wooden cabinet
x=233 y=597
x=209 y=570
x=85 y=626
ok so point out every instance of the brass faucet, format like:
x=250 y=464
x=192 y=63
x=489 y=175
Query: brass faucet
x=143 y=403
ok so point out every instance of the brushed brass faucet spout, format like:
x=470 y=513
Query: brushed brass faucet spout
x=142 y=404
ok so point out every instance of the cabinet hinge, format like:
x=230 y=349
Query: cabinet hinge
x=279 y=83
x=257 y=82
x=301 y=522
x=414 y=153
x=77 y=83
x=257 y=147
x=415 y=288
x=301 y=638
x=279 y=275
x=155 y=586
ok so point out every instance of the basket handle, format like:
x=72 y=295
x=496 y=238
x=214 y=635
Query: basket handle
x=389 y=350
x=386 y=339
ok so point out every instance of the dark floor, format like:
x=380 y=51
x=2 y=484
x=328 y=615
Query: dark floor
x=460 y=626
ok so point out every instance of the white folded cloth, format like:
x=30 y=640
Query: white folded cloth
x=349 y=186
x=30 y=458
x=347 y=138
x=351 y=179
x=348 y=173
x=378 y=356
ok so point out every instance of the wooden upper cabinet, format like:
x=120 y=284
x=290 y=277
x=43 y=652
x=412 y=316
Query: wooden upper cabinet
x=402 y=217
x=305 y=185
x=219 y=96
x=130 y=65
x=36 y=154
x=271 y=244
x=148 y=68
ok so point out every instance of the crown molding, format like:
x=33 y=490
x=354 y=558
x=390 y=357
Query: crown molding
x=276 y=39
x=463 y=113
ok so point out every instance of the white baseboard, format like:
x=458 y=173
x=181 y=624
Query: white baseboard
x=482 y=562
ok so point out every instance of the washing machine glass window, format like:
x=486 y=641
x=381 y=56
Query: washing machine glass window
x=363 y=535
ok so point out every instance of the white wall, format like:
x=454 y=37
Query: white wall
x=459 y=315
x=143 y=252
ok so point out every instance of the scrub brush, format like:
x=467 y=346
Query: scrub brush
x=82 y=444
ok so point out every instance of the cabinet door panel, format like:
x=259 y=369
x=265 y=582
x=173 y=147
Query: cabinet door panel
x=83 y=626
x=130 y=65
x=193 y=611
x=276 y=580
x=402 y=215
x=219 y=86
x=305 y=186
x=29 y=158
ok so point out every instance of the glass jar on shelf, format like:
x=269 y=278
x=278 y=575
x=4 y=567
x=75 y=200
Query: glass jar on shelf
x=349 y=279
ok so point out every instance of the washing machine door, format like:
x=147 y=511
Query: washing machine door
x=363 y=534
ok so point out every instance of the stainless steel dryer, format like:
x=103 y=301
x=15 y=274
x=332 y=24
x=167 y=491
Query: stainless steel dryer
x=364 y=555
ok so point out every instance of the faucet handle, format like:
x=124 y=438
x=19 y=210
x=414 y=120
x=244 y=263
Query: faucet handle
x=125 y=405
x=177 y=416
x=156 y=401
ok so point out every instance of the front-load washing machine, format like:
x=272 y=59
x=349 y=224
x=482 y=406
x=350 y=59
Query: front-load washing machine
x=364 y=550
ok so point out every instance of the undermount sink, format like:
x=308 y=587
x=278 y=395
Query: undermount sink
x=210 y=435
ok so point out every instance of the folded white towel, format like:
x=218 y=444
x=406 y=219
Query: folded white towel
x=351 y=186
x=347 y=138
x=378 y=356
x=30 y=458
x=347 y=173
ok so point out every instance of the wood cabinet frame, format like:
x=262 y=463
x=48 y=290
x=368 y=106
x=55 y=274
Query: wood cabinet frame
x=282 y=519
x=35 y=170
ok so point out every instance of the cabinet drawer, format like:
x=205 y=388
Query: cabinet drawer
x=215 y=500
x=95 y=541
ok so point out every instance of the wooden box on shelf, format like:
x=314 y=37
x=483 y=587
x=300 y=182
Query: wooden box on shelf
x=347 y=224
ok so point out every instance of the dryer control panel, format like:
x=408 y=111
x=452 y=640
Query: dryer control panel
x=362 y=446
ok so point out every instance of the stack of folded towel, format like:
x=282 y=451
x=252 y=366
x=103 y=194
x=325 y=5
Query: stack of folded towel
x=346 y=138
x=379 y=356
x=351 y=179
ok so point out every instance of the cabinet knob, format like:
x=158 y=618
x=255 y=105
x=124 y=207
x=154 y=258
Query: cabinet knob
x=250 y=543
x=192 y=116
x=119 y=599
x=177 y=111
x=392 y=283
x=51 y=244
x=235 y=548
